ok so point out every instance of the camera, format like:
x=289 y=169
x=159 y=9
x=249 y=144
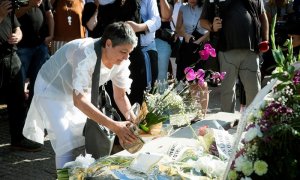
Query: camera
x=19 y=3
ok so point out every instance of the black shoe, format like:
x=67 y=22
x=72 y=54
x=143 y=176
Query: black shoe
x=27 y=145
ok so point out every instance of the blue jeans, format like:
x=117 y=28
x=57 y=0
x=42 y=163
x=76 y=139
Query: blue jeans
x=32 y=59
x=164 y=52
x=151 y=63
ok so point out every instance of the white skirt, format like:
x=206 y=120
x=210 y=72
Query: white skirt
x=62 y=120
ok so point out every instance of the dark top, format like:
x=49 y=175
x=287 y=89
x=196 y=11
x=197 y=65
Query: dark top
x=5 y=32
x=237 y=26
x=110 y=13
x=34 y=25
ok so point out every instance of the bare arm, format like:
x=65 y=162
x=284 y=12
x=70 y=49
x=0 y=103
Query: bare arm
x=180 y=30
x=265 y=26
x=138 y=27
x=179 y=25
x=165 y=10
x=120 y=128
x=122 y=101
x=91 y=24
x=50 y=23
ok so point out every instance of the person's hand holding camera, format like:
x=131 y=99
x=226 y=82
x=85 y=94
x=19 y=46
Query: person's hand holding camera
x=5 y=8
x=216 y=25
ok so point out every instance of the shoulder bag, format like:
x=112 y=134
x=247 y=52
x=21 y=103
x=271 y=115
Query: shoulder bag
x=99 y=140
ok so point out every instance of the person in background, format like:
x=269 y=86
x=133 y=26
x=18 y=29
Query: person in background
x=238 y=46
x=37 y=25
x=61 y=103
x=11 y=79
x=163 y=46
x=189 y=28
x=98 y=15
x=143 y=16
x=178 y=39
x=150 y=22
x=68 y=25
x=282 y=8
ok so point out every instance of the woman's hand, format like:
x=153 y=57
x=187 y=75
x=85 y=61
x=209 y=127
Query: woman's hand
x=188 y=38
x=123 y=132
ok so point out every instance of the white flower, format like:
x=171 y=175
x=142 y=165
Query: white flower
x=260 y=167
x=247 y=168
x=211 y=166
x=252 y=133
x=238 y=163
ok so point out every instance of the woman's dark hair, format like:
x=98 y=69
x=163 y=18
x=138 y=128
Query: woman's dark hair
x=200 y=3
x=119 y=33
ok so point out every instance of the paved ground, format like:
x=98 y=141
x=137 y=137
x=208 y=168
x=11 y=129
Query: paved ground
x=40 y=165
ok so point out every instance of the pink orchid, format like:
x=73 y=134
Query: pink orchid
x=222 y=75
x=190 y=73
x=210 y=49
x=200 y=74
x=204 y=54
x=207 y=51
x=187 y=69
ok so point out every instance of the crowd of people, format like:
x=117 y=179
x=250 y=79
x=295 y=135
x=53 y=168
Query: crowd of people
x=49 y=45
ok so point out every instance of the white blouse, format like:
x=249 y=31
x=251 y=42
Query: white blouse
x=52 y=107
x=72 y=67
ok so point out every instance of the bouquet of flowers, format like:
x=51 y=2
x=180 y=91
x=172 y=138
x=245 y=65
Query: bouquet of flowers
x=158 y=106
x=271 y=143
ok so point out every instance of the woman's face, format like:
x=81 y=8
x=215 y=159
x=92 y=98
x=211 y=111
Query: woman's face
x=193 y=2
x=117 y=54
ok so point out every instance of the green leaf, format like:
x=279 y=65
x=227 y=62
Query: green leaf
x=144 y=128
x=283 y=77
x=278 y=56
x=291 y=69
x=273 y=32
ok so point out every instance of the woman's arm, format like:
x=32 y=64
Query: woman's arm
x=203 y=38
x=180 y=30
x=123 y=103
x=120 y=128
x=50 y=23
x=165 y=10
